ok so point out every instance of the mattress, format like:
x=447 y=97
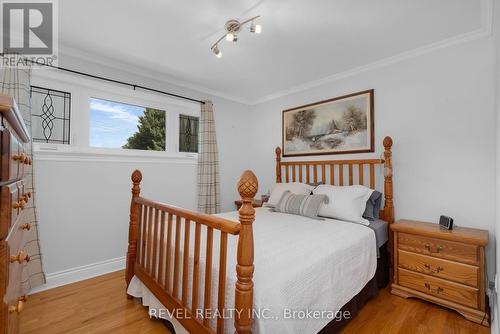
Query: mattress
x=303 y=267
x=379 y=226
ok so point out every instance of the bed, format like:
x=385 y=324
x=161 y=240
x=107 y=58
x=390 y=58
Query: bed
x=307 y=271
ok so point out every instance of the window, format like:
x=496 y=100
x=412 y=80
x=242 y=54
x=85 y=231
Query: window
x=188 y=133
x=120 y=125
x=51 y=113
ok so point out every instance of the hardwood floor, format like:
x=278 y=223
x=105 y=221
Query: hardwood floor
x=99 y=305
x=390 y=314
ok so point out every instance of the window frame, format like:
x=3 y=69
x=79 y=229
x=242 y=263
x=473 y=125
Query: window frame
x=83 y=89
x=136 y=105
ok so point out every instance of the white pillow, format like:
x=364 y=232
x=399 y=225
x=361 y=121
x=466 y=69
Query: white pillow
x=294 y=187
x=345 y=203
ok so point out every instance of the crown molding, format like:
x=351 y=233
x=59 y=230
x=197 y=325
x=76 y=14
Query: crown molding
x=484 y=31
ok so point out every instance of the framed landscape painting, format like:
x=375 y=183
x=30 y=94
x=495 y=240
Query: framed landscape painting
x=336 y=126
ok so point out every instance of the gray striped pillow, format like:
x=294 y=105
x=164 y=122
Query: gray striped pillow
x=302 y=205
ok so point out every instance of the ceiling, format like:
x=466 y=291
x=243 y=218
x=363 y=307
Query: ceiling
x=301 y=42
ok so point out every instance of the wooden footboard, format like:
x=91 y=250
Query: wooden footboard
x=152 y=241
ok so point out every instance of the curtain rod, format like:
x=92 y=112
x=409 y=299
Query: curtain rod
x=134 y=86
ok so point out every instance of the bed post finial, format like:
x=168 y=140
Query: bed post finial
x=278 y=164
x=247 y=187
x=133 y=229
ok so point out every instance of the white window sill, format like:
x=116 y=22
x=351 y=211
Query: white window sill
x=70 y=153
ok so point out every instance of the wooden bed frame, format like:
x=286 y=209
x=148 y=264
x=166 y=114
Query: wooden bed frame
x=149 y=258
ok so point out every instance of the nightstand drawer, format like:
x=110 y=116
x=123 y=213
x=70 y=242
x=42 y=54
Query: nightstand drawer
x=448 y=270
x=456 y=251
x=454 y=292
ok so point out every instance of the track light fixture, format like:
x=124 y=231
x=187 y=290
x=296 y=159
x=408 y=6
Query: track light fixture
x=233 y=28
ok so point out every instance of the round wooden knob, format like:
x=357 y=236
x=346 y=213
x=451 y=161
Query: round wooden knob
x=26 y=226
x=19 y=157
x=20 y=257
x=27 y=196
x=18 y=308
x=20 y=204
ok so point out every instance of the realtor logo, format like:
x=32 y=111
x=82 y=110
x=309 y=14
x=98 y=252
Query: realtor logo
x=29 y=29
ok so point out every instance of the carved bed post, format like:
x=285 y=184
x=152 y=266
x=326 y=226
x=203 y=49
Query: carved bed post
x=133 y=228
x=247 y=187
x=388 y=204
x=278 y=164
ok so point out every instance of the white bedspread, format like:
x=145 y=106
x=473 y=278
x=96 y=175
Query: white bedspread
x=301 y=265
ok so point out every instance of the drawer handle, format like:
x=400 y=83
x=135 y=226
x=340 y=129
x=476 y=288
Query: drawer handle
x=27 y=196
x=438 y=290
x=433 y=271
x=26 y=226
x=20 y=204
x=20 y=257
x=20 y=157
x=438 y=249
x=18 y=308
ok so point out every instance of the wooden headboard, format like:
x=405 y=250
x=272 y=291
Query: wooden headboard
x=342 y=172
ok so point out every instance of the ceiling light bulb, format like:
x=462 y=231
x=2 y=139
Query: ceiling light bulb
x=217 y=52
x=255 y=28
x=230 y=37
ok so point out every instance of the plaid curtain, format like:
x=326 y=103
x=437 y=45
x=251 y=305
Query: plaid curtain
x=208 y=163
x=16 y=83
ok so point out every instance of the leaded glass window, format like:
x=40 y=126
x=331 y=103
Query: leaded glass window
x=188 y=133
x=51 y=115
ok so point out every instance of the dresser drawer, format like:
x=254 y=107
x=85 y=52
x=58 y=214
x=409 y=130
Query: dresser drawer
x=13 y=158
x=440 y=288
x=17 y=259
x=445 y=249
x=445 y=269
x=11 y=275
x=14 y=307
x=11 y=205
x=13 y=317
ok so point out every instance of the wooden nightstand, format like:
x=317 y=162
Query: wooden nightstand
x=446 y=267
x=257 y=203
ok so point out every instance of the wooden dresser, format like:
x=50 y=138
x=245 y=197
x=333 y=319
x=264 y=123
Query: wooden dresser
x=446 y=267
x=14 y=162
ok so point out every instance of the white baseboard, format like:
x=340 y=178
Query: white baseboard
x=76 y=274
x=494 y=312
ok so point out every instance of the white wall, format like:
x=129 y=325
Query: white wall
x=439 y=110
x=496 y=32
x=438 y=107
x=83 y=199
